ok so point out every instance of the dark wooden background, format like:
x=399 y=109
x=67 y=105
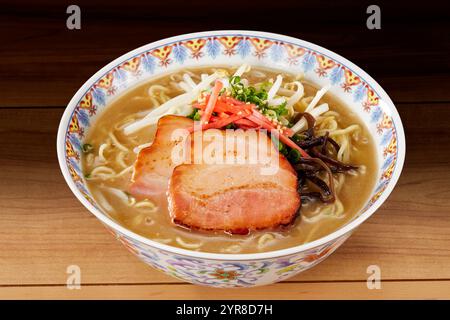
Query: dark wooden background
x=42 y=63
x=43 y=228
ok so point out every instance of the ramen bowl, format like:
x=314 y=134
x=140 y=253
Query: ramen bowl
x=349 y=83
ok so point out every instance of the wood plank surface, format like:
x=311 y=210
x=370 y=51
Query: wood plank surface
x=44 y=229
x=282 y=291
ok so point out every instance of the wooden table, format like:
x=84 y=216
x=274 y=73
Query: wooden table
x=44 y=229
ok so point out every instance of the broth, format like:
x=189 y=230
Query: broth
x=315 y=221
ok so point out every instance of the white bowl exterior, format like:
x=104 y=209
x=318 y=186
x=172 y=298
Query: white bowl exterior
x=349 y=83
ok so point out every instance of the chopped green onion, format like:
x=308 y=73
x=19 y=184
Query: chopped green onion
x=87 y=148
x=257 y=97
x=294 y=155
x=195 y=115
x=231 y=126
x=282 y=148
x=298 y=137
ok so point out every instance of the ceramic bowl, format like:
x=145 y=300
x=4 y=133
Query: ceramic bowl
x=321 y=66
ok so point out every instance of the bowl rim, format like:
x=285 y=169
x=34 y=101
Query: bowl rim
x=347 y=228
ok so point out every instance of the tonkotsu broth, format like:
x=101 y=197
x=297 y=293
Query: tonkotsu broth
x=316 y=219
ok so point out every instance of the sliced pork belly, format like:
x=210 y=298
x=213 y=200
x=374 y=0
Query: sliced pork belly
x=211 y=196
x=233 y=198
x=154 y=165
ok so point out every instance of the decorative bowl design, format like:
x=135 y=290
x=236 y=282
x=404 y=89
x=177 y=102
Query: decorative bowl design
x=349 y=83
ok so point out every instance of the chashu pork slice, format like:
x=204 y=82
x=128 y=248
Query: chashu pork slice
x=236 y=195
x=154 y=164
x=232 y=198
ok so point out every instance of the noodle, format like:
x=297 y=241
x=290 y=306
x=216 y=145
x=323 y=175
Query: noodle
x=187 y=245
x=124 y=171
x=163 y=241
x=118 y=193
x=343 y=151
x=338 y=209
x=120 y=159
x=146 y=204
x=90 y=158
x=326 y=124
x=332 y=113
x=155 y=102
x=265 y=239
x=141 y=146
x=103 y=170
x=175 y=77
x=257 y=74
x=116 y=143
x=304 y=102
x=103 y=202
x=106 y=173
x=101 y=151
x=120 y=125
x=235 y=248
x=157 y=94
x=347 y=130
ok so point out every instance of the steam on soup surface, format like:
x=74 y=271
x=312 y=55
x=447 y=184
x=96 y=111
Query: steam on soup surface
x=314 y=125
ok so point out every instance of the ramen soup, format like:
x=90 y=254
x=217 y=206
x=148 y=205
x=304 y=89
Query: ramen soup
x=326 y=156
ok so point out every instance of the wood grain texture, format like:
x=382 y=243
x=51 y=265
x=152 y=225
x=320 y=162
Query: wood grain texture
x=43 y=228
x=44 y=63
x=281 y=291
